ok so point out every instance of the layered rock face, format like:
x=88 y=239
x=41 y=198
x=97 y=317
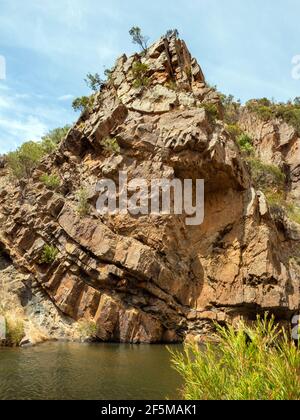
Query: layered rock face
x=152 y=278
x=278 y=143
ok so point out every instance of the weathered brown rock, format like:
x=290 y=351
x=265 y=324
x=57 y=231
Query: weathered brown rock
x=278 y=143
x=153 y=278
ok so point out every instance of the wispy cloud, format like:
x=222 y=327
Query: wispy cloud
x=64 y=98
x=26 y=117
x=50 y=46
x=30 y=129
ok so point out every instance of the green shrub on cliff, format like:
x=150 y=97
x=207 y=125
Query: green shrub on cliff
x=83 y=207
x=293 y=212
x=49 y=254
x=266 y=177
x=234 y=130
x=22 y=161
x=83 y=103
x=51 y=181
x=231 y=109
x=139 y=73
x=86 y=330
x=25 y=159
x=251 y=363
x=267 y=110
x=271 y=181
x=94 y=82
x=246 y=144
x=51 y=140
x=211 y=111
x=111 y=145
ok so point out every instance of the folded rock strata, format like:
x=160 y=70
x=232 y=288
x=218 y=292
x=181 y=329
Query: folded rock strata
x=150 y=279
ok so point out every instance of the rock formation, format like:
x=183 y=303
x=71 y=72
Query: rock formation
x=149 y=279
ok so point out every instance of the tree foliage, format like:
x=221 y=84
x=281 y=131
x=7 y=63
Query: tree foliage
x=94 y=82
x=246 y=143
x=138 y=38
x=22 y=161
x=267 y=110
x=25 y=159
x=231 y=109
x=139 y=72
x=83 y=103
x=172 y=33
x=51 y=140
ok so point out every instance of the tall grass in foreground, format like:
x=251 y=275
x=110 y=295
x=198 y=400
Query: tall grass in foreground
x=18 y=323
x=251 y=363
x=13 y=314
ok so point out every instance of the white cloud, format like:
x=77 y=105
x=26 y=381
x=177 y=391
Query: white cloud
x=22 y=96
x=28 y=116
x=65 y=98
x=29 y=129
x=5 y=103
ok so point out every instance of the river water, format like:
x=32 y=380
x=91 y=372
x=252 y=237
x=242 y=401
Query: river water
x=92 y=371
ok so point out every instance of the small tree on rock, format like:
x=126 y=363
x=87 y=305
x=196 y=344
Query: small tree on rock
x=172 y=33
x=138 y=38
x=94 y=82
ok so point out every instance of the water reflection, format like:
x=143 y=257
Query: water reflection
x=74 y=371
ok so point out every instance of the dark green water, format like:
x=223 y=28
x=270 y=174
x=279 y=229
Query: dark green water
x=96 y=372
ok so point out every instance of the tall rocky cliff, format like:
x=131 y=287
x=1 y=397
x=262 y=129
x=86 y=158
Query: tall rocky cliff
x=153 y=278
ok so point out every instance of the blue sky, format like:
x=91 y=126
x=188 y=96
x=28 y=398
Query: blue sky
x=244 y=47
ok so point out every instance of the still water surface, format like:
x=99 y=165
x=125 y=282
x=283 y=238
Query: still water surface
x=96 y=372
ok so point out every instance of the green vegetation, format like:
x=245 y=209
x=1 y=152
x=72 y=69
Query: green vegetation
x=84 y=103
x=212 y=111
x=266 y=177
x=51 y=181
x=139 y=72
x=51 y=140
x=83 y=207
x=25 y=159
x=22 y=161
x=293 y=212
x=86 y=330
x=14 y=330
x=138 y=38
x=231 y=109
x=246 y=144
x=11 y=311
x=49 y=254
x=271 y=181
x=111 y=145
x=234 y=130
x=172 y=33
x=251 y=363
x=267 y=110
x=94 y=82
x=188 y=72
x=108 y=74
x=172 y=85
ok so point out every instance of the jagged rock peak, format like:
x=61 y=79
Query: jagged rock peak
x=167 y=64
